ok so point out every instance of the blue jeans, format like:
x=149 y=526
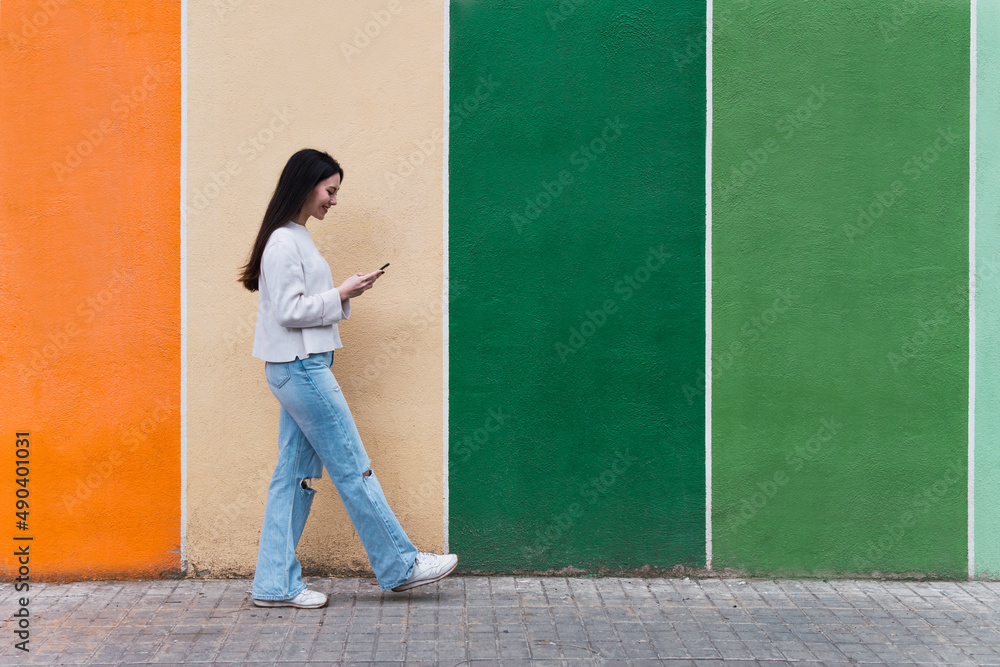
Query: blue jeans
x=316 y=430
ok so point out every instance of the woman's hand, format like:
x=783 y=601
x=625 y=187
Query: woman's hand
x=357 y=284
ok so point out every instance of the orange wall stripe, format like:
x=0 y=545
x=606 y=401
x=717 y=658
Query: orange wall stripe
x=90 y=287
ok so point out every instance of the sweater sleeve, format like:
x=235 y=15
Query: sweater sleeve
x=286 y=287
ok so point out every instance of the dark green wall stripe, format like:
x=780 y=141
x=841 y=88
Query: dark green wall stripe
x=577 y=284
x=840 y=263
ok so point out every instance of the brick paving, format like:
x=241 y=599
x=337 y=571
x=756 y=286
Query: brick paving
x=513 y=621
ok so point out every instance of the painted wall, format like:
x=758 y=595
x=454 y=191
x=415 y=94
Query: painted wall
x=569 y=433
x=840 y=265
x=987 y=275
x=363 y=81
x=89 y=287
x=576 y=264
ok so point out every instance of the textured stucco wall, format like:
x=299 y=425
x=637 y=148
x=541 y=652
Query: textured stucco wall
x=987 y=444
x=89 y=286
x=840 y=270
x=840 y=340
x=577 y=237
x=267 y=78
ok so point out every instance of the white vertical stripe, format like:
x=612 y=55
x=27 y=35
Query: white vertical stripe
x=183 y=221
x=444 y=241
x=708 y=288
x=972 y=294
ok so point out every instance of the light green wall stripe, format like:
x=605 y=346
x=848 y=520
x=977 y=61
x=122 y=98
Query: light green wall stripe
x=987 y=417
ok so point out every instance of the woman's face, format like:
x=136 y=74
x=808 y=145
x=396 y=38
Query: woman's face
x=319 y=201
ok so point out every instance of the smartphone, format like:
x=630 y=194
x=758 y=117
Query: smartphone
x=383 y=268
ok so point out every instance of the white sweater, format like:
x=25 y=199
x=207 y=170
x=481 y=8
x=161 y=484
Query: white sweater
x=298 y=306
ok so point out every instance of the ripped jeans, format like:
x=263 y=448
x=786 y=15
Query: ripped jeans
x=316 y=430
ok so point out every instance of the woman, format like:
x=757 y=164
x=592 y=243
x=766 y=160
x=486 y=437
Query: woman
x=297 y=314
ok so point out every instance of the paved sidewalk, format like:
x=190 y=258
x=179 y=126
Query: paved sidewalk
x=513 y=620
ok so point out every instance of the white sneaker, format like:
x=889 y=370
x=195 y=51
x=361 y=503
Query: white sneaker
x=428 y=568
x=307 y=599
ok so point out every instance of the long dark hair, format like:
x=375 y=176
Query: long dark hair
x=303 y=172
